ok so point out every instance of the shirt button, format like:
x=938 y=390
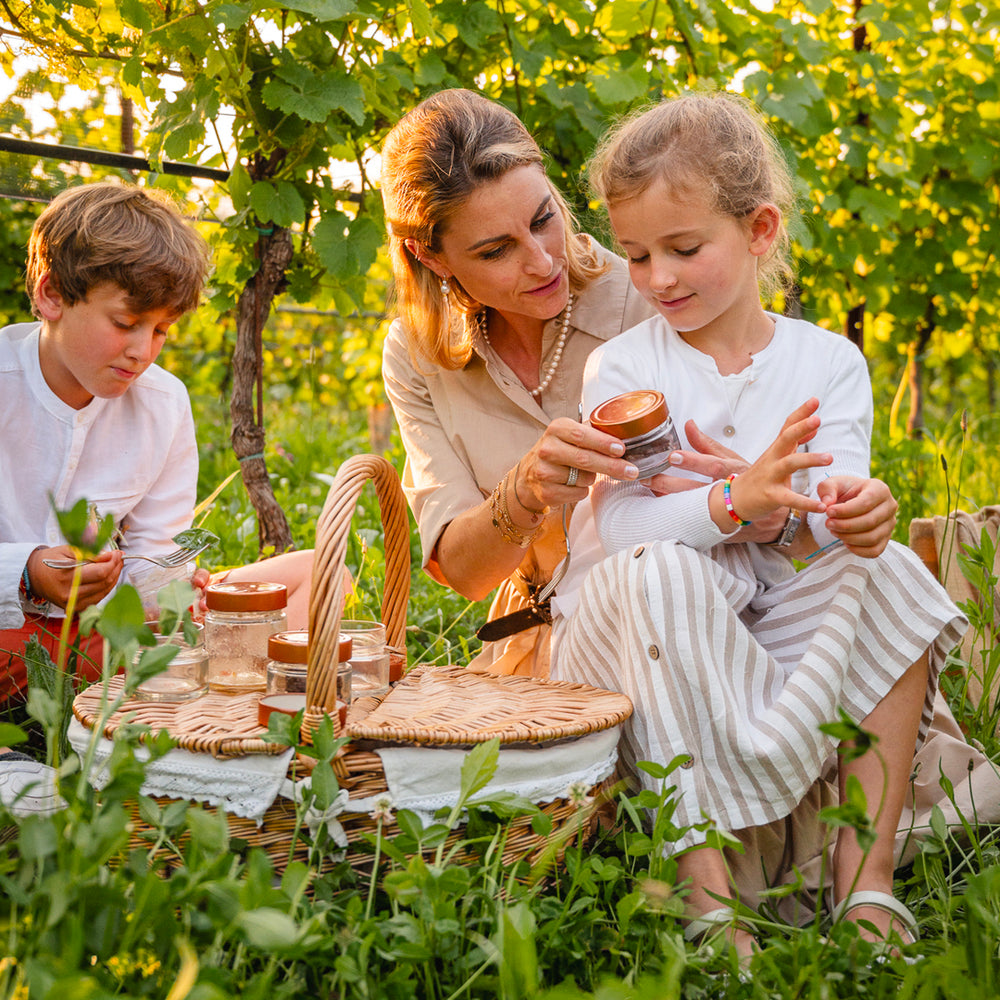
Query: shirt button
x=654 y=653
x=639 y=551
x=729 y=430
x=689 y=763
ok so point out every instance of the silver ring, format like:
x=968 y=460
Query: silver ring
x=574 y=475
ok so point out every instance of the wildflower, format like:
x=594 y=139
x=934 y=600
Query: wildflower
x=577 y=794
x=382 y=813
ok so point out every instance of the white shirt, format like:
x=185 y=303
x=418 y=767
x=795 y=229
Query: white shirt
x=745 y=412
x=134 y=457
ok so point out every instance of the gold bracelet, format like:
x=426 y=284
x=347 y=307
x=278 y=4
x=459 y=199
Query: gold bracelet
x=502 y=521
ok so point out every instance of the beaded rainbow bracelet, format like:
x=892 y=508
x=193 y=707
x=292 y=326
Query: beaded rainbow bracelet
x=727 y=498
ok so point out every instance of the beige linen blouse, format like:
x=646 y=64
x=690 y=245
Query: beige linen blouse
x=464 y=429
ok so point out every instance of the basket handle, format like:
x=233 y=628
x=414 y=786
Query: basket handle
x=326 y=603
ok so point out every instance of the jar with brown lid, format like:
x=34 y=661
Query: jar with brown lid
x=240 y=619
x=643 y=423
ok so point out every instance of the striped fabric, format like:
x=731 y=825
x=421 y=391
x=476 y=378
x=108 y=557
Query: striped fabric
x=738 y=675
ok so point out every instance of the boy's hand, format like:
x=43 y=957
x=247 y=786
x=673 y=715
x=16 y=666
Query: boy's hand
x=97 y=578
x=860 y=512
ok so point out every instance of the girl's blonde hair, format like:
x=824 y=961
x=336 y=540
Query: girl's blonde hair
x=718 y=140
x=432 y=160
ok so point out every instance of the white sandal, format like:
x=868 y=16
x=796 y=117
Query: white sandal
x=882 y=901
x=707 y=925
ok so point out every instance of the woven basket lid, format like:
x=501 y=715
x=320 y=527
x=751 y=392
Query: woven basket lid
x=455 y=706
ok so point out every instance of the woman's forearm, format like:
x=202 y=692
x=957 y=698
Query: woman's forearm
x=472 y=557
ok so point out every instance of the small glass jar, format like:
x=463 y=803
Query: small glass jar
x=369 y=658
x=288 y=656
x=641 y=420
x=185 y=677
x=240 y=619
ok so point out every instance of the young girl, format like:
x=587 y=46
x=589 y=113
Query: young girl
x=729 y=656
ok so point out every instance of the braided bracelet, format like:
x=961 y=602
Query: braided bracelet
x=727 y=487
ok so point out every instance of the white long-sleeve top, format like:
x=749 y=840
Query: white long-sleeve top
x=744 y=411
x=134 y=457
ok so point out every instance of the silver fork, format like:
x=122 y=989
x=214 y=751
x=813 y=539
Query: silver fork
x=180 y=555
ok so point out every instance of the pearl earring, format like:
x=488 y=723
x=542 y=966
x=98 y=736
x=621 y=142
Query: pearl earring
x=445 y=287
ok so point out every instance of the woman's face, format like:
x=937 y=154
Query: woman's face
x=506 y=245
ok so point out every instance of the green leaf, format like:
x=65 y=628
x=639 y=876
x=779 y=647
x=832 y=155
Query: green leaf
x=278 y=203
x=232 y=15
x=618 y=81
x=478 y=768
x=179 y=143
x=323 y=10
x=324 y=784
x=298 y=90
x=11 y=735
x=329 y=240
x=123 y=620
x=268 y=929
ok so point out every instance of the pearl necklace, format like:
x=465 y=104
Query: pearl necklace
x=556 y=354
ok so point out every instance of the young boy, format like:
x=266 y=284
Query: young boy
x=85 y=412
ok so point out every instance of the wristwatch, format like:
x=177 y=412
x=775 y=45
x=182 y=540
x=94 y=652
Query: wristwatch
x=790 y=529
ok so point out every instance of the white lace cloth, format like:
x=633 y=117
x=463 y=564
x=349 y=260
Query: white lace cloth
x=423 y=779
x=426 y=779
x=245 y=786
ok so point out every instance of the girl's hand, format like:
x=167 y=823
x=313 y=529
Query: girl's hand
x=860 y=512
x=97 y=578
x=764 y=487
x=715 y=461
x=566 y=445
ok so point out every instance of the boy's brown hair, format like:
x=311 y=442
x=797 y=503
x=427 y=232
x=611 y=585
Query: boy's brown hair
x=132 y=237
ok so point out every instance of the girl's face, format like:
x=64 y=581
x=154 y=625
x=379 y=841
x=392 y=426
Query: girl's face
x=697 y=267
x=506 y=245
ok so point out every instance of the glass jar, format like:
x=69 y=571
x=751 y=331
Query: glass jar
x=642 y=422
x=369 y=658
x=185 y=677
x=288 y=656
x=240 y=619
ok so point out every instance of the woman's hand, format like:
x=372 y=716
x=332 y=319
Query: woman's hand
x=544 y=474
x=97 y=577
x=860 y=512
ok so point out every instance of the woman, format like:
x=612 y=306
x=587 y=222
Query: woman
x=500 y=303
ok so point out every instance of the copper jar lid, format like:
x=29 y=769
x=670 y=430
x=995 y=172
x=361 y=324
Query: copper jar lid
x=289 y=647
x=246 y=596
x=286 y=704
x=631 y=414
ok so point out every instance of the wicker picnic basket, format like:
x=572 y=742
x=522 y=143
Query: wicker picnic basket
x=431 y=708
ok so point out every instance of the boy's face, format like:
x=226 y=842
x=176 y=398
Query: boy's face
x=98 y=346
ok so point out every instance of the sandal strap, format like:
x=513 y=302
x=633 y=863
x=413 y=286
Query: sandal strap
x=713 y=920
x=882 y=901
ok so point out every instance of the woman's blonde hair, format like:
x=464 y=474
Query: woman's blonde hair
x=718 y=140
x=131 y=237
x=432 y=160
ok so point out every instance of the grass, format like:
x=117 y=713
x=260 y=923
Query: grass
x=84 y=914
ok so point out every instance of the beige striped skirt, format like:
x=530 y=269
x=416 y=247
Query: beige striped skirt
x=738 y=676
